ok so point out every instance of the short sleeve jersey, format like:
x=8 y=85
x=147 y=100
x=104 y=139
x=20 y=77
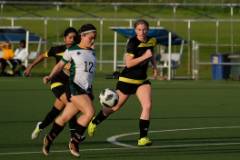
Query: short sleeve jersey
x=56 y=52
x=136 y=49
x=83 y=66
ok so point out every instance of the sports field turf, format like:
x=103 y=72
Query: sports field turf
x=191 y=120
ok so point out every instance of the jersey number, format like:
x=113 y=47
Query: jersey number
x=88 y=67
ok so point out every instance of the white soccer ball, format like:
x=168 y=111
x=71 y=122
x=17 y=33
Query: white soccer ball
x=108 y=97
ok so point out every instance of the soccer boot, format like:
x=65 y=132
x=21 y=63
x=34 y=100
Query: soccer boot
x=46 y=145
x=144 y=141
x=74 y=148
x=91 y=129
x=36 y=131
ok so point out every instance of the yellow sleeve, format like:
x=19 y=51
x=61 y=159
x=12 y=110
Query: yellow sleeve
x=130 y=54
x=45 y=54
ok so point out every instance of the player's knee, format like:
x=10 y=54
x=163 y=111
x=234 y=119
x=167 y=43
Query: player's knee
x=61 y=120
x=115 y=109
x=90 y=113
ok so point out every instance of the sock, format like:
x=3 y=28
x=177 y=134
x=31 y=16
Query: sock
x=99 y=118
x=143 y=126
x=73 y=125
x=49 y=117
x=76 y=138
x=56 y=129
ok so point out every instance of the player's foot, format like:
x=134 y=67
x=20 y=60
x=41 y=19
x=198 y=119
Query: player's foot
x=46 y=146
x=36 y=131
x=91 y=129
x=73 y=148
x=144 y=141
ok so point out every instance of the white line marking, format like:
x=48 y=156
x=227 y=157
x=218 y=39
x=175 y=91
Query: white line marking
x=124 y=146
x=113 y=139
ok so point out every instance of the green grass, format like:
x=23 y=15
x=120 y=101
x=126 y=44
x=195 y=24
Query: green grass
x=194 y=105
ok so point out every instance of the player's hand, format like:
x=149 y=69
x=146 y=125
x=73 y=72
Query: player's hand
x=148 y=54
x=155 y=73
x=27 y=71
x=46 y=79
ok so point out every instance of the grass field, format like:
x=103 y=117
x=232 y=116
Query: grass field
x=190 y=120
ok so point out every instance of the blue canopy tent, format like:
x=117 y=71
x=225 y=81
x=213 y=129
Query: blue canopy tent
x=163 y=36
x=16 y=34
x=160 y=33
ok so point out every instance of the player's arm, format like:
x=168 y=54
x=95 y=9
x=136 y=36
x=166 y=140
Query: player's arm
x=56 y=69
x=130 y=61
x=39 y=59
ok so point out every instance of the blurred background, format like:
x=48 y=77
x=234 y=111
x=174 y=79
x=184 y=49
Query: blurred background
x=209 y=28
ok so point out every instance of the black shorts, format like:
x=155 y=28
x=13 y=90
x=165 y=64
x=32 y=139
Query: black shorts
x=77 y=90
x=60 y=84
x=128 y=88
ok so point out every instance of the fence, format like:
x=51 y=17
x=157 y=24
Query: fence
x=213 y=34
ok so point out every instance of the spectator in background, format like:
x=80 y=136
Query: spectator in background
x=7 y=54
x=20 y=56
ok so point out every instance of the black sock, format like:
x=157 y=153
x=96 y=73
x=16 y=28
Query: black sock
x=143 y=126
x=73 y=125
x=56 y=129
x=49 y=117
x=77 y=136
x=99 y=118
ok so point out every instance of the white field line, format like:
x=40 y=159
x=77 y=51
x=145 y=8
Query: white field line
x=114 y=140
x=124 y=146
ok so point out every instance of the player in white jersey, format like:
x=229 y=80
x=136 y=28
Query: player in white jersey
x=83 y=65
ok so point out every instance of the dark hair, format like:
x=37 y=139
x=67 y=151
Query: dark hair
x=72 y=30
x=23 y=41
x=69 y=30
x=86 y=27
x=141 y=21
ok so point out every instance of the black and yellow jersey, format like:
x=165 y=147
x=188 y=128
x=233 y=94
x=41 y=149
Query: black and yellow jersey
x=56 y=52
x=136 y=49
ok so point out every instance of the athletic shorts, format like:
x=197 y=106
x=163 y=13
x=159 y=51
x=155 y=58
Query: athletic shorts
x=128 y=88
x=77 y=90
x=60 y=84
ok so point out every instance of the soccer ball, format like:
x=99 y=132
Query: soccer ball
x=108 y=98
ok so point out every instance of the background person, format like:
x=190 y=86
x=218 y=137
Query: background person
x=20 y=56
x=7 y=54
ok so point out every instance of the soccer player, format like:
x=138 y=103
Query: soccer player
x=83 y=66
x=133 y=80
x=59 y=83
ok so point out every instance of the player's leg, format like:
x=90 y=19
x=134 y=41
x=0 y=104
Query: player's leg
x=58 y=88
x=84 y=104
x=144 y=95
x=69 y=111
x=49 y=118
x=73 y=121
x=105 y=112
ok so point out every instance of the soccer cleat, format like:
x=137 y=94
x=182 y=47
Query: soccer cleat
x=46 y=146
x=91 y=129
x=73 y=148
x=144 y=141
x=36 y=131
